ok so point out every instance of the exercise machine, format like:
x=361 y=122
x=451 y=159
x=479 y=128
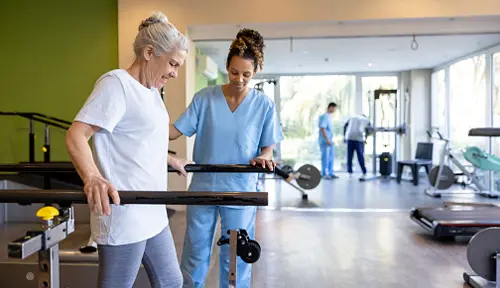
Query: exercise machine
x=58 y=224
x=382 y=127
x=483 y=255
x=307 y=177
x=442 y=177
x=456 y=219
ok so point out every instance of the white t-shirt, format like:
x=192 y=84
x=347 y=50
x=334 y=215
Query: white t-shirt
x=356 y=126
x=130 y=151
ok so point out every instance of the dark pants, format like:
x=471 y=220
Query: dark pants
x=359 y=147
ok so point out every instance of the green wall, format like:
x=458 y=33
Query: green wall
x=53 y=52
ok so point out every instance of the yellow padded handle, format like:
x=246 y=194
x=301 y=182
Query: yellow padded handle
x=47 y=213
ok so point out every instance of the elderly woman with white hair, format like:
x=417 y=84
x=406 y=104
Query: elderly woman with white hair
x=129 y=124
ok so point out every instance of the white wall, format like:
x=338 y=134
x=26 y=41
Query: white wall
x=200 y=12
x=420 y=107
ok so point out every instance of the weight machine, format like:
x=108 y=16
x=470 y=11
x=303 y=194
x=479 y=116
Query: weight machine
x=442 y=177
x=385 y=127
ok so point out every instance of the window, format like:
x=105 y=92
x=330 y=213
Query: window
x=468 y=106
x=303 y=100
x=439 y=101
x=496 y=100
x=495 y=149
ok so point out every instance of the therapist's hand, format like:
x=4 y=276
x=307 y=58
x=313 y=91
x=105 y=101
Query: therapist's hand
x=264 y=163
x=178 y=164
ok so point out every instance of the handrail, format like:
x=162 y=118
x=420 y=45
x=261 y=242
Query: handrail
x=68 y=167
x=47 y=120
x=42 y=118
x=69 y=197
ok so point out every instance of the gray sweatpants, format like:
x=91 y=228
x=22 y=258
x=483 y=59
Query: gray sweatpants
x=119 y=265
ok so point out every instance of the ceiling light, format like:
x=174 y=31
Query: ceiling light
x=305 y=52
x=369 y=64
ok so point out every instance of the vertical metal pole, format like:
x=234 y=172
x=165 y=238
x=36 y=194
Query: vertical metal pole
x=48 y=268
x=233 y=257
x=498 y=270
x=374 y=164
x=31 y=143
x=277 y=105
x=46 y=147
x=397 y=137
x=47 y=184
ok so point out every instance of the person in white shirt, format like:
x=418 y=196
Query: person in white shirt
x=129 y=124
x=354 y=135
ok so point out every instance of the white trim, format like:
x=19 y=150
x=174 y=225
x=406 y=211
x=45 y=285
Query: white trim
x=489 y=50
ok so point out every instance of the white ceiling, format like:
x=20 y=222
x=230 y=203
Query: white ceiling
x=362 y=54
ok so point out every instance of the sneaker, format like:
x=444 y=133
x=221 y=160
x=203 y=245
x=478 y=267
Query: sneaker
x=363 y=177
x=334 y=176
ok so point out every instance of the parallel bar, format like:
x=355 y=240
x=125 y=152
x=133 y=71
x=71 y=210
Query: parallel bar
x=194 y=168
x=68 y=197
x=222 y=168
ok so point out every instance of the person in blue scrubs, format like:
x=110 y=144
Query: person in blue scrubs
x=325 y=140
x=234 y=124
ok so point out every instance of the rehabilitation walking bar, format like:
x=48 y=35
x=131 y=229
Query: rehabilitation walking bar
x=68 y=197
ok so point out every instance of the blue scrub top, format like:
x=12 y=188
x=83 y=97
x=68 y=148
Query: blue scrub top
x=225 y=137
x=325 y=122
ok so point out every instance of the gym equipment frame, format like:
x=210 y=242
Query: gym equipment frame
x=58 y=224
x=456 y=219
x=483 y=255
x=397 y=129
x=442 y=177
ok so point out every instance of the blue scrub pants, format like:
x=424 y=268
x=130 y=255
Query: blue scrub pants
x=199 y=240
x=327 y=154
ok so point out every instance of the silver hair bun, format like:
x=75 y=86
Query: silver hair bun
x=155 y=18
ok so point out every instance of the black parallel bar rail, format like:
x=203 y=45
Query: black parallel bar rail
x=69 y=197
x=67 y=167
x=38 y=117
x=47 y=120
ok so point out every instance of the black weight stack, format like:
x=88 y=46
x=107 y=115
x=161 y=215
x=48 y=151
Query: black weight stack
x=385 y=164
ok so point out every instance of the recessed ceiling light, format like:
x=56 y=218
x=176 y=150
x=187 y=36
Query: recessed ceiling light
x=369 y=64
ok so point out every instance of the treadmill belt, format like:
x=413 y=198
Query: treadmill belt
x=462 y=213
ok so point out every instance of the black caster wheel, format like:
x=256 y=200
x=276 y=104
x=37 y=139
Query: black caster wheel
x=253 y=252
x=305 y=197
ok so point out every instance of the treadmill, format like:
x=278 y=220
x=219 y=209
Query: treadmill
x=457 y=219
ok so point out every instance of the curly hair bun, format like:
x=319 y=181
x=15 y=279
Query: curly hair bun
x=251 y=38
x=155 y=18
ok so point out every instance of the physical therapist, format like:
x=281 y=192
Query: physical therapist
x=234 y=124
x=325 y=140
